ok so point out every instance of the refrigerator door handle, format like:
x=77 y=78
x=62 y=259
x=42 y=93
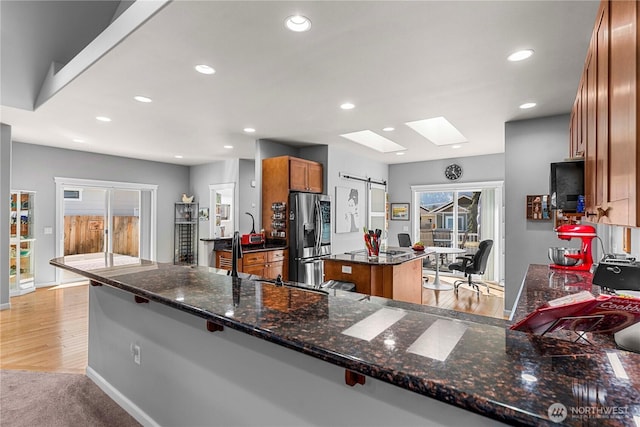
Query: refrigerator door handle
x=318 y=227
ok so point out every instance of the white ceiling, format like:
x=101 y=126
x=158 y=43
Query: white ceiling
x=396 y=61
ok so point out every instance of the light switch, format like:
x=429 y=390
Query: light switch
x=48 y=230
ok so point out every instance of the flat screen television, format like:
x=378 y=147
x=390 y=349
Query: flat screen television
x=566 y=184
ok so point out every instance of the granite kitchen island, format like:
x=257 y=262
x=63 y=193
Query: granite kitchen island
x=395 y=274
x=216 y=350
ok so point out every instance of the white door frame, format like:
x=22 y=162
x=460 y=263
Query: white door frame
x=498 y=245
x=62 y=182
x=213 y=188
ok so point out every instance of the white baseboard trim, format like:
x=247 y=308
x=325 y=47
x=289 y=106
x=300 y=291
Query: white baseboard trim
x=5 y=306
x=124 y=402
x=45 y=284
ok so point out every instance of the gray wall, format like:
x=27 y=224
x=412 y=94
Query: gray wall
x=341 y=160
x=248 y=201
x=530 y=146
x=34 y=168
x=201 y=176
x=5 y=194
x=403 y=176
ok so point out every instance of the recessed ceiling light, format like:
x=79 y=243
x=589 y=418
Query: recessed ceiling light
x=455 y=147
x=438 y=130
x=228 y=146
x=388 y=129
x=347 y=106
x=103 y=119
x=249 y=130
x=298 y=23
x=140 y=98
x=204 y=69
x=79 y=141
x=400 y=153
x=528 y=105
x=178 y=156
x=373 y=140
x=520 y=55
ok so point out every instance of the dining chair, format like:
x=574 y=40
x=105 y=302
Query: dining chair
x=404 y=240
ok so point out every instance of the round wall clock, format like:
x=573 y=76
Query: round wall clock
x=453 y=172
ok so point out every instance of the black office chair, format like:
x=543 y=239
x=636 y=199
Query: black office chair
x=475 y=264
x=404 y=240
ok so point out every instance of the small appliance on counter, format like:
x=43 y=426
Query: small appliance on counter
x=623 y=277
x=618 y=274
x=573 y=259
x=252 y=238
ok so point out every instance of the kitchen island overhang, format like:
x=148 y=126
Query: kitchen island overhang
x=482 y=373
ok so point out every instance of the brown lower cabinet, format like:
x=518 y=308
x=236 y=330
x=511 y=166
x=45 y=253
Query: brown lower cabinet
x=268 y=263
x=401 y=282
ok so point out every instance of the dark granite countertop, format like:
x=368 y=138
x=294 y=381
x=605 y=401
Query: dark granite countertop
x=506 y=375
x=543 y=284
x=392 y=256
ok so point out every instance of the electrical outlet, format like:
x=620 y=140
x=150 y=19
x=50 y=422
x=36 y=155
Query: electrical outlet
x=136 y=354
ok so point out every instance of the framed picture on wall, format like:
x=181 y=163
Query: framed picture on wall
x=400 y=211
x=203 y=214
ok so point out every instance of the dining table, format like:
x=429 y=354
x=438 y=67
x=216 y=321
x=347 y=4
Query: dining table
x=437 y=285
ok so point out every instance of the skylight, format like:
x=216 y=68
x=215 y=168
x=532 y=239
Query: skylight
x=438 y=130
x=373 y=140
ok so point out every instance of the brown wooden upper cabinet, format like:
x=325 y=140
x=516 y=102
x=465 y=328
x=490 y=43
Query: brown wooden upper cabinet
x=279 y=176
x=293 y=174
x=604 y=121
x=305 y=175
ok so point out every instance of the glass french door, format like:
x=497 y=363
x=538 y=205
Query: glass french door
x=460 y=216
x=101 y=220
x=95 y=218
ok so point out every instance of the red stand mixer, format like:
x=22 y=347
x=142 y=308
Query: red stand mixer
x=583 y=257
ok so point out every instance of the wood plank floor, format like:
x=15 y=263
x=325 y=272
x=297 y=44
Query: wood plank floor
x=467 y=300
x=46 y=330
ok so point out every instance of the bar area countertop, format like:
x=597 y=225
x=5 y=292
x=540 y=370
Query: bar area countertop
x=391 y=256
x=482 y=367
x=543 y=283
x=224 y=245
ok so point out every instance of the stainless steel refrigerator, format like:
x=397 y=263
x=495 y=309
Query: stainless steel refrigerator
x=309 y=236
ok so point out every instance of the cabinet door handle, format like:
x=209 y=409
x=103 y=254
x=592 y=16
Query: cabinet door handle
x=602 y=213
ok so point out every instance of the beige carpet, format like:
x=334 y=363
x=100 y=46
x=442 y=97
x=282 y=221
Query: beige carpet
x=32 y=399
